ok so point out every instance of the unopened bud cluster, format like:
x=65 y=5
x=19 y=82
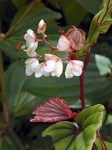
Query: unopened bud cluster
x=73 y=39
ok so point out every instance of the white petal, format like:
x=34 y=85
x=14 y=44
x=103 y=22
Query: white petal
x=50 y=57
x=49 y=66
x=41 y=23
x=58 y=68
x=77 y=71
x=33 y=46
x=78 y=63
x=31 y=33
x=31 y=54
x=38 y=74
x=68 y=71
x=28 y=70
x=63 y=44
x=35 y=66
x=30 y=60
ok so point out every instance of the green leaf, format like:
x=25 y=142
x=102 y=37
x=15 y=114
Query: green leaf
x=92 y=114
x=19 y=102
x=101 y=21
x=103 y=64
x=71 y=12
x=91 y=5
x=6 y=143
x=99 y=25
x=32 y=19
x=19 y=3
x=62 y=134
x=67 y=136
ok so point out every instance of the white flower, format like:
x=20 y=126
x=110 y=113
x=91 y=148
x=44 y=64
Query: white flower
x=74 y=68
x=31 y=64
x=31 y=43
x=41 y=27
x=53 y=66
x=63 y=44
x=29 y=37
x=30 y=51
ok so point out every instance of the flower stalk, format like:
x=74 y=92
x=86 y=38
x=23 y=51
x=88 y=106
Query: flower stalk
x=82 y=93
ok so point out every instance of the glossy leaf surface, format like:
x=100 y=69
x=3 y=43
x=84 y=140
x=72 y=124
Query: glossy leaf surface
x=67 y=136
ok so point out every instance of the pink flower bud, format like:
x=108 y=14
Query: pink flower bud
x=74 y=68
x=41 y=27
x=63 y=44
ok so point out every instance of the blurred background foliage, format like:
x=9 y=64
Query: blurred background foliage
x=24 y=94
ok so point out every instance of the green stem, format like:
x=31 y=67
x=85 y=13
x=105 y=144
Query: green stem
x=3 y=91
x=21 y=19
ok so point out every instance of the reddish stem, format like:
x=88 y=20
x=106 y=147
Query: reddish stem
x=44 y=40
x=82 y=97
x=101 y=141
x=94 y=147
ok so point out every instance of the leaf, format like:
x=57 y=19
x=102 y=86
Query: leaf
x=67 y=136
x=99 y=25
x=86 y=116
x=19 y=102
x=91 y=5
x=72 y=11
x=19 y=3
x=53 y=110
x=101 y=21
x=62 y=133
x=6 y=143
x=68 y=89
x=104 y=64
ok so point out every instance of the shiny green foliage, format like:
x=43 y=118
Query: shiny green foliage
x=68 y=136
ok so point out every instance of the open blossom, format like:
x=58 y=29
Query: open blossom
x=74 y=68
x=31 y=65
x=31 y=43
x=53 y=66
x=41 y=27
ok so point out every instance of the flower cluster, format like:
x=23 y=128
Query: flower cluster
x=73 y=39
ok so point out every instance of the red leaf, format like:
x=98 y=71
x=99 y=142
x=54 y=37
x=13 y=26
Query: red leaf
x=53 y=110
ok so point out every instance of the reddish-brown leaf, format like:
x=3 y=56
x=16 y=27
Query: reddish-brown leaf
x=53 y=110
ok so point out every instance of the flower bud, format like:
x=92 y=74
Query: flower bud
x=76 y=38
x=41 y=27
